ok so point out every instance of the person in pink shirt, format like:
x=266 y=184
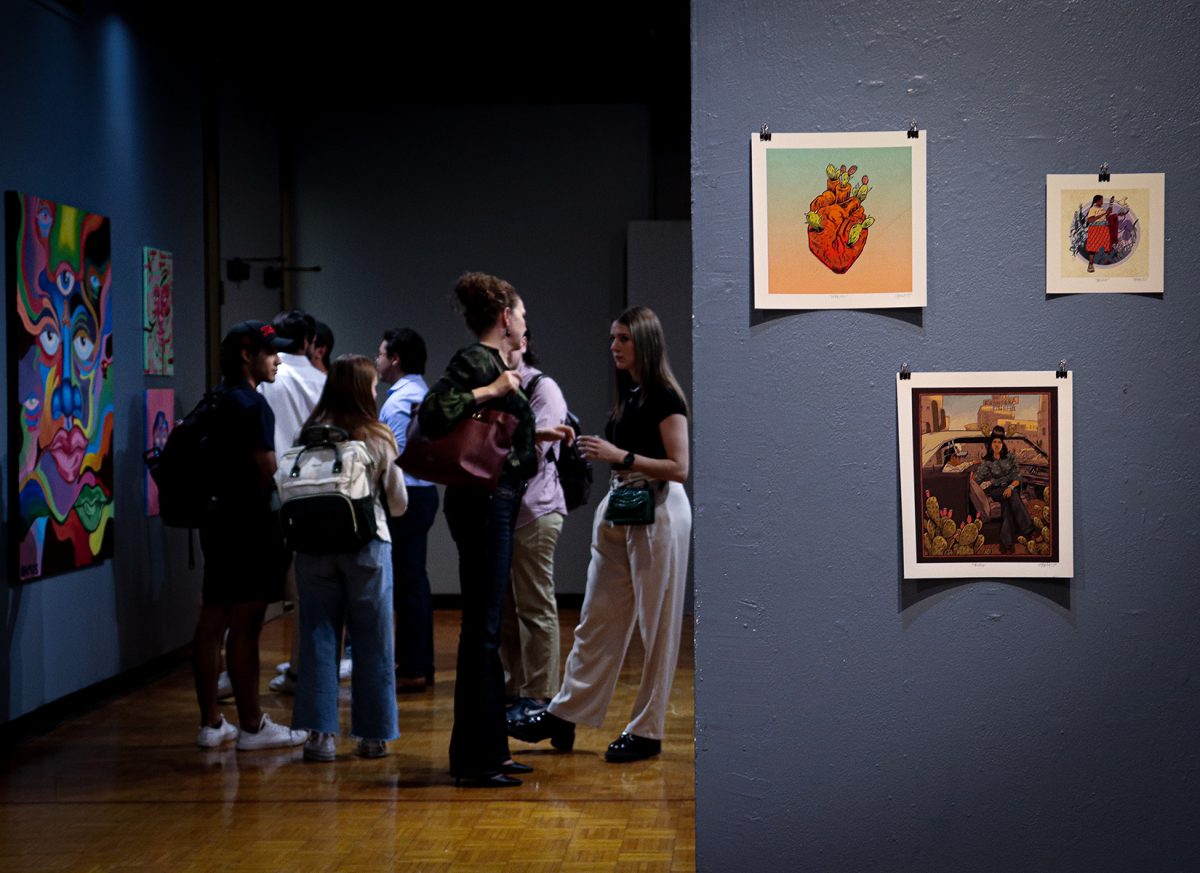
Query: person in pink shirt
x=529 y=633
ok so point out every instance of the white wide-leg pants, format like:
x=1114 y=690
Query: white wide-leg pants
x=637 y=576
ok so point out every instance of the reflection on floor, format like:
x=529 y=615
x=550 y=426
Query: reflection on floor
x=125 y=788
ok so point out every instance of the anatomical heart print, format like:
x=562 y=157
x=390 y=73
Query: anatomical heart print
x=839 y=221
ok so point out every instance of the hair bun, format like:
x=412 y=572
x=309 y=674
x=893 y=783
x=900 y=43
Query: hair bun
x=482 y=297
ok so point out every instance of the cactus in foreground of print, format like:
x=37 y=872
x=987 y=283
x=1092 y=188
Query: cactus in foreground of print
x=943 y=536
x=1042 y=542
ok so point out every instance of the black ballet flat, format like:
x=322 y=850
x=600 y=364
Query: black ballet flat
x=493 y=780
x=631 y=747
x=544 y=725
x=515 y=767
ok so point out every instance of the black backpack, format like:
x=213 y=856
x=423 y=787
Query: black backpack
x=182 y=469
x=574 y=471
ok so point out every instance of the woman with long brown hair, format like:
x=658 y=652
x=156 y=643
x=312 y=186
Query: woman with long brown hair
x=638 y=571
x=351 y=589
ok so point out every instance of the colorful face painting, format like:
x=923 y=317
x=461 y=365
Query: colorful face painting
x=160 y=414
x=158 y=278
x=985 y=474
x=60 y=346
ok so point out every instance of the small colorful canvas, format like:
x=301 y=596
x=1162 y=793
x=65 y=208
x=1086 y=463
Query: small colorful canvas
x=160 y=418
x=1105 y=237
x=985 y=475
x=60 y=355
x=839 y=220
x=158 y=279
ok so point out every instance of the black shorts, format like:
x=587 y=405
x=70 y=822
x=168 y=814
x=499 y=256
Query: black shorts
x=245 y=560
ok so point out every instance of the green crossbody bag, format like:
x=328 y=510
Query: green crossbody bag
x=629 y=504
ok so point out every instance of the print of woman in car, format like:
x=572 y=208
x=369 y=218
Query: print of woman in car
x=1000 y=477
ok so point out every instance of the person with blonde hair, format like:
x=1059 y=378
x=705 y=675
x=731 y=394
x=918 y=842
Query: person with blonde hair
x=352 y=589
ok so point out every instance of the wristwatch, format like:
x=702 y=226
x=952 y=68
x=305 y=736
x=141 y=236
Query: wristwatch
x=626 y=462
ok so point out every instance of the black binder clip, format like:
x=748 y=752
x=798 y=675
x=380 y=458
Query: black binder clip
x=1061 y=373
x=1104 y=174
x=905 y=373
x=913 y=133
x=764 y=134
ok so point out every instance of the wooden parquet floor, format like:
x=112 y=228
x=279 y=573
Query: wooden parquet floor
x=124 y=788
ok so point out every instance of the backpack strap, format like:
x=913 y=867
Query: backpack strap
x=533 y=383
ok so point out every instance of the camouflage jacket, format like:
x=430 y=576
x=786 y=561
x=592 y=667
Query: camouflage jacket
x=450 y=400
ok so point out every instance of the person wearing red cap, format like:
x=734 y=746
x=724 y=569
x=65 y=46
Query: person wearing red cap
x=244 y=554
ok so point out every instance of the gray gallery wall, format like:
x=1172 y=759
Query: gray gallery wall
x=847 y=720
x=395 y=202
x=98 y=115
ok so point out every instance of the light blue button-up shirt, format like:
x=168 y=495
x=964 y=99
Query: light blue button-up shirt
x=402 y=401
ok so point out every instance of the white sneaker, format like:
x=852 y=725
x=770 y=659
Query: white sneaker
x=224 y=686
x=283 y=684
x=211 y=737
x=269 y=736
x=371 y=749
x=320 y=747
x=284 y=667
x=345 y=669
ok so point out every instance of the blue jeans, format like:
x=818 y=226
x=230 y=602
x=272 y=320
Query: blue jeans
x=481 y=523
x=413 y=602
x=352 y=589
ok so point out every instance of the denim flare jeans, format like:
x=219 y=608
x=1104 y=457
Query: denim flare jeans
x=355 y=590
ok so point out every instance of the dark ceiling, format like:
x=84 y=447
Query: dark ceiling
x=507 y=53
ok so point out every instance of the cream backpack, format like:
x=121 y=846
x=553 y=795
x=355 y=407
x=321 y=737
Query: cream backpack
x=327 y=494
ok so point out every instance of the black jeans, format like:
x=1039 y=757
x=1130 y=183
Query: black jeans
x=481 y=523
x=410 y=596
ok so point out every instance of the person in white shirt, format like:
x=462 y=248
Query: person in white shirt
x=298 y=384
x=292 y=397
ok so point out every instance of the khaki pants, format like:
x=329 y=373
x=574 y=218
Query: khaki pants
x=637 y=577
x=529 y=635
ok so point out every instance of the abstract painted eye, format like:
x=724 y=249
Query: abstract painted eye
x=50 y=340
x=94 y=280
x=31 y=403
x=66 y=281
x=84 y=347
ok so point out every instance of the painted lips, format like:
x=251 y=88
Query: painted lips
x=67 y=450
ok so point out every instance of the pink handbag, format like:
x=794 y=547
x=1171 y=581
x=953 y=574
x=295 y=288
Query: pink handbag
x=471 y=454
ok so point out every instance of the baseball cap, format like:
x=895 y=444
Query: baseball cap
x=253 y=336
